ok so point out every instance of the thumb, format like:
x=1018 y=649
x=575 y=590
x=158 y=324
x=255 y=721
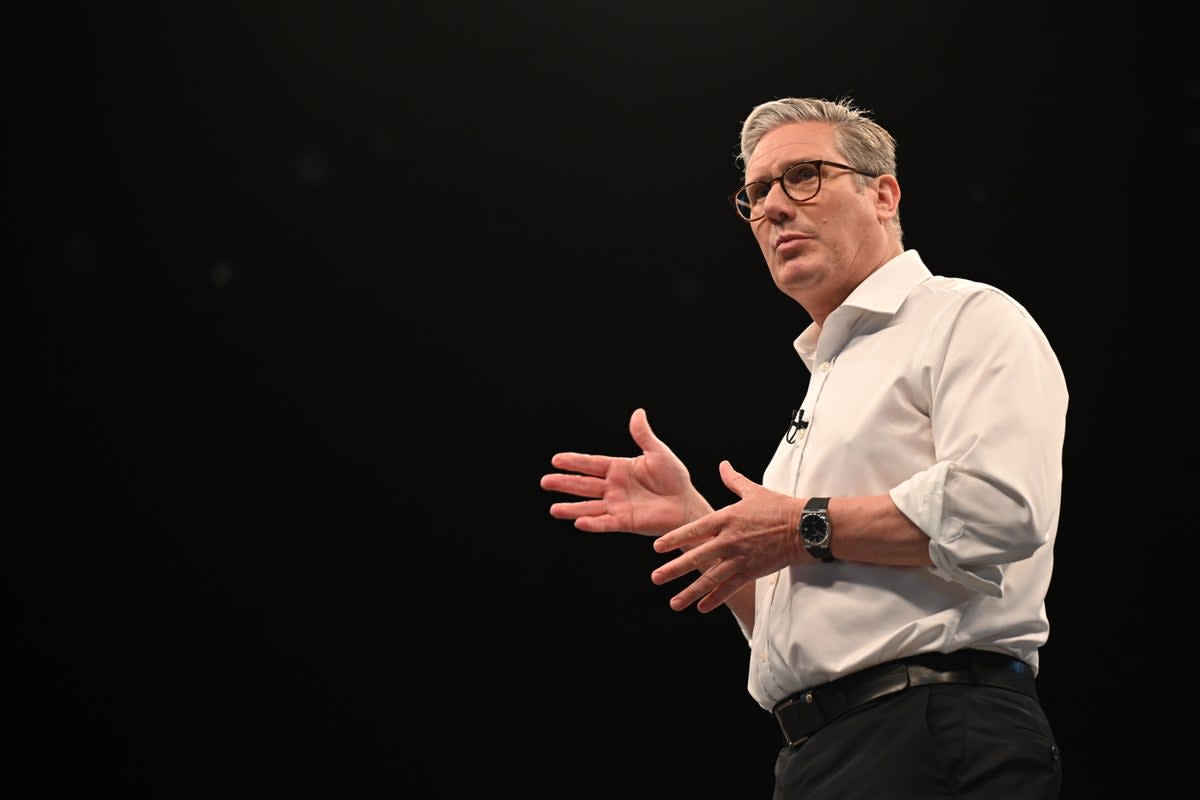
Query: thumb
x=736 y=481
x=639 y=429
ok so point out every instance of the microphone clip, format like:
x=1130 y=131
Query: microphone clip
x=796 y=423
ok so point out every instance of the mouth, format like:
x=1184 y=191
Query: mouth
x=790 y=241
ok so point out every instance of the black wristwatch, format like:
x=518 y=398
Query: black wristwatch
x=815 y=530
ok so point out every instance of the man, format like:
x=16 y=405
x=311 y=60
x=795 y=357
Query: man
x=889 y=573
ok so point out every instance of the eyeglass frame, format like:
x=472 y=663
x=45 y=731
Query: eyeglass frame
x=819 y=163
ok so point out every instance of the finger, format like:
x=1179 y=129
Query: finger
x=583 y=508
x=734 y=480
x=680 y=537
x=643 y=435
x=730 y=581
x=710 y=582
x=598 y=523
x=578 y=485
x=582 y=462
x=695 y=560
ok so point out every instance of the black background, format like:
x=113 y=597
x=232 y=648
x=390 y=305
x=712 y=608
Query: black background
x=326 y=284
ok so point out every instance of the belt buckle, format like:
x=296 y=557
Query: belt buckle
x=807 y=697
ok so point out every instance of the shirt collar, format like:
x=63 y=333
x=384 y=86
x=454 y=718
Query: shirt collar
x=882 y=292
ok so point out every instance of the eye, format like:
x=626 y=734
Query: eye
x=802 y=174
x=755 y=193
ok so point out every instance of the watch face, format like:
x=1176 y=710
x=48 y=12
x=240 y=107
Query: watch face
x=813 y=529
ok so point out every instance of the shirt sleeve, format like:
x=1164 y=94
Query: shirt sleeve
x=998 y=410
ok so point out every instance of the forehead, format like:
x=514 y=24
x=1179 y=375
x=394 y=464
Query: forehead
x=791 y=142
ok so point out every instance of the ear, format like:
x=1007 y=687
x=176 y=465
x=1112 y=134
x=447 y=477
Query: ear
x=887 y=196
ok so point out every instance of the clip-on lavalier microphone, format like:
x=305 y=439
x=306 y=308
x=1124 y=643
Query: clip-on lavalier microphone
x=796 y=423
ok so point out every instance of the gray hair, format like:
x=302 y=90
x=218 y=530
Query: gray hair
x=864 y=143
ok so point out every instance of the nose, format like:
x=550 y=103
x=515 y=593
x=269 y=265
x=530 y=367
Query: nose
x=777 y=205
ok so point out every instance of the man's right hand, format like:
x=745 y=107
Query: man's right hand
x=648 y=494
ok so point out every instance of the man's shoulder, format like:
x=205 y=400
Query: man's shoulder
x=957 y=302
x=968 y=288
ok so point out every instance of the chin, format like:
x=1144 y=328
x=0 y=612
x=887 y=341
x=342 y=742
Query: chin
x=796 y=267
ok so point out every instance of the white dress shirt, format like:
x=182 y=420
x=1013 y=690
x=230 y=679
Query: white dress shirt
x=945 y=394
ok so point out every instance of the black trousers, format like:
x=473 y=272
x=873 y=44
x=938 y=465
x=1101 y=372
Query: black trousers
x=928 y=743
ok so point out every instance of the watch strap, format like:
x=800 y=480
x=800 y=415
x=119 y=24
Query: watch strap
x=818 y=506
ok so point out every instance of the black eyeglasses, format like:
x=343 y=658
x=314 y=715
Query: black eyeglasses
x=800 y=182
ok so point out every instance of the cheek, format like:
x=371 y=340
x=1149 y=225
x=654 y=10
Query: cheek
x=763 y=236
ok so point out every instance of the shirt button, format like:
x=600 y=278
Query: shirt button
x=772 y=580
x=825 y=366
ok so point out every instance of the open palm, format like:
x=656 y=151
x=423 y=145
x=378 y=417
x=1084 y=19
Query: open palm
x=650 y=494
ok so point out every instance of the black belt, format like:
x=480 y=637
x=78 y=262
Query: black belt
x=804 y=713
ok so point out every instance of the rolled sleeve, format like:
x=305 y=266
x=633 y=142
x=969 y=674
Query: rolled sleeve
x=956 y=557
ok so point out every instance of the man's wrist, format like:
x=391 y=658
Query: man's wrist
x=816 y=529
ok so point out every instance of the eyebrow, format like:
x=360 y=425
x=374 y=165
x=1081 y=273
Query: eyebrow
x=786 y=166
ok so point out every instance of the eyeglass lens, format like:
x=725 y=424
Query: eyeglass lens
x=800 y=182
